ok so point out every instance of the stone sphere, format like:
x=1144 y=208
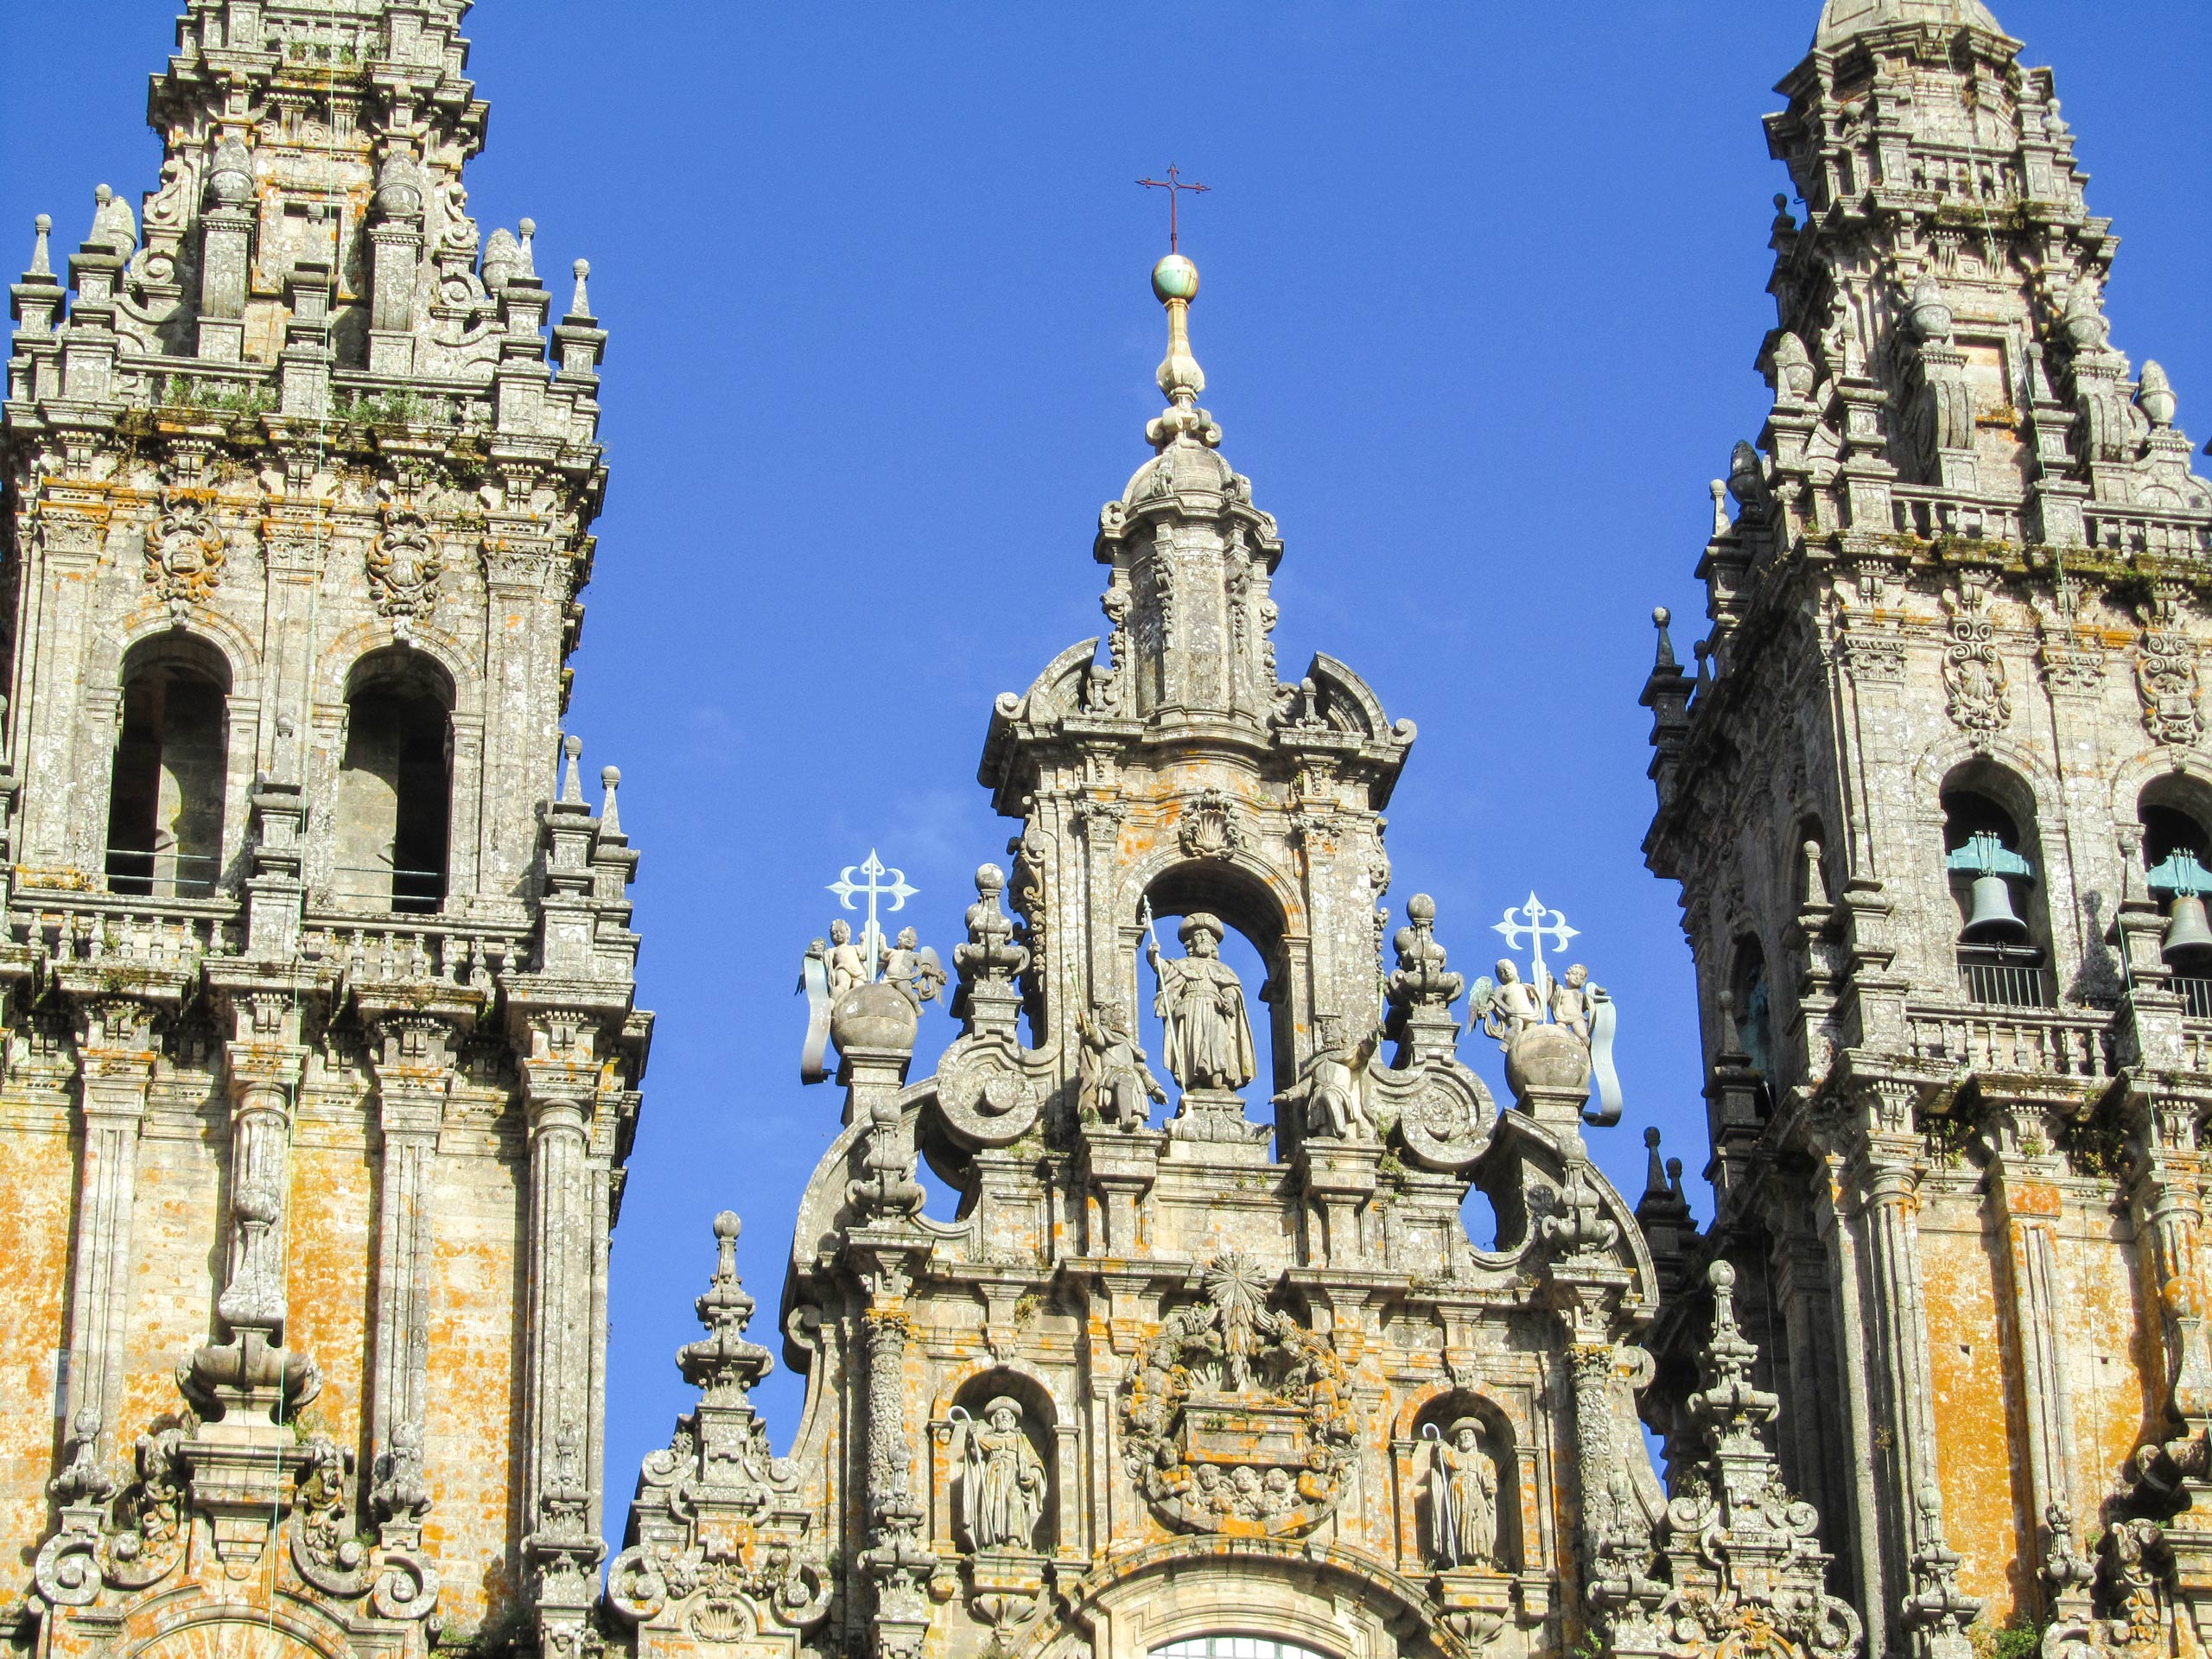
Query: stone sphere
x=1175 y=278
x=1546 y=1057
x=872 y=1016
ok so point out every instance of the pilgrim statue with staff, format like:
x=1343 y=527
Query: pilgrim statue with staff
x=1200 y=1002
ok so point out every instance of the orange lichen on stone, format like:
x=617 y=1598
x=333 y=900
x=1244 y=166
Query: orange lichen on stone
x=180 y=1209
x=1973 y=1418
x=474 y=1384
x=2110 y=1359
x=329 y=1276
x=38 y=1173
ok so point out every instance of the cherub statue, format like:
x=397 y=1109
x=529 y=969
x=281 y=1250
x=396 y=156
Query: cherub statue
x=1570 y=1000
x=1115 y=1081
x=1333 y=1087
x=1506 y=1007
x=849 y=965
x=913 y=967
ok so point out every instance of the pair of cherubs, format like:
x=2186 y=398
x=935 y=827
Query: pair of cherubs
x=906 y=964
x=1512 y=1004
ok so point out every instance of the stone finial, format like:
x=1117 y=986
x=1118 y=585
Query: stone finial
x=1746 y=473
x=503 y=259
x=1721 y=525
x=1816 y=880
x=2155 y=395
x=230 y=178
x=1654 y=1173
x=528 y=227
x=723 y=1364
x=1664 y=658
x=580 y=304
x=1703 y=649
x=114 y=225
x=1929 y=313
x=572 y=788
x=41 y=261
x=610 y=779
x=1175 y=280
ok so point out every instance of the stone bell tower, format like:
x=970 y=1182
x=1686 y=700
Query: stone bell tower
x=1939 y=797
x=1212 y=1379
x=321 y=1057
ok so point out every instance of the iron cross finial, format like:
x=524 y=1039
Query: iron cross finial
x=1173 y=184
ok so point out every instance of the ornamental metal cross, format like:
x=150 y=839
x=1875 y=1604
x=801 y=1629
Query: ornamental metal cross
x=874 y=887
x=1171 y=184
x=1532 y=923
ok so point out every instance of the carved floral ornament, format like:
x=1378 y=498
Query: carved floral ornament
x=2166 y=677
x=184 y=551
x=1211 y=827
x=1973 y=670
x=1237 y=1418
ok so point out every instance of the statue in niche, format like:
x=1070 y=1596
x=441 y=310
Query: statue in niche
x=1333 y=1086
x=1507 y=1008
x=1201 y=1003
x=1462 y=1496
x=1114 y=1080
x=1002 y=1479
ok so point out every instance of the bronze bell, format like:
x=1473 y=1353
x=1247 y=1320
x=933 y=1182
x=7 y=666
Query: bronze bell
x=1993 y=917
x=2187 y=929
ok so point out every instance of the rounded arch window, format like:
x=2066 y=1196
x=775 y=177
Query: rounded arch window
x=166 y=781
x=1748 y=1003
x=2177 y=867
x=1989 y=858
x=394 y=811
x=1235 y=1647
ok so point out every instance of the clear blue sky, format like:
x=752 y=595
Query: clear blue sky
x=1483 y=286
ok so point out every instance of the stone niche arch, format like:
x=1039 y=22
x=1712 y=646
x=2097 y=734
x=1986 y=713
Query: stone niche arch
x=172 y=808
x=1258 y=902
x=1323 y=1598
x=1051 y=1437
x=1499 y=1437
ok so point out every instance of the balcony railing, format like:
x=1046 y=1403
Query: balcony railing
x=1996 y=977
x=2195 y=997
x=161 y=875
x=2023 y=1041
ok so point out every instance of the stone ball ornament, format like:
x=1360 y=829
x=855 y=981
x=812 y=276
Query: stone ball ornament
x=1546 y=1058
x=872 y=1017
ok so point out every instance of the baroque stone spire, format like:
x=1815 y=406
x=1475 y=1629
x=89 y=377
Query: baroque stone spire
x=1841 y=19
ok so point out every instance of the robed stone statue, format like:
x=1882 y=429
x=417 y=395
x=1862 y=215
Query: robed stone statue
x=1002 y=1480
x=1201 y=1006
x=1462 y=1496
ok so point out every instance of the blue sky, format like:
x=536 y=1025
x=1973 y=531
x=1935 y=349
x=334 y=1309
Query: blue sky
x=1482 y=283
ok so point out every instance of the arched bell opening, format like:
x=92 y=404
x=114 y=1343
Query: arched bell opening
x=1464 y=1467
x=1994 y=868
x=1217 y=909
x=1003 y=1464
x=1750 y=1005
x=394 y=813
x=2177 y=869
x=171 y=764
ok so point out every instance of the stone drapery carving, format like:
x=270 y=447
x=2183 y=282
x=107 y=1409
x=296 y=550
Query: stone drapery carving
x=1462 y=1495
x=1201 y=1002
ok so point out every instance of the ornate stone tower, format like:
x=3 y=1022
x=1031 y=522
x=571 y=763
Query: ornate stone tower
x=1940 y=800
x=321 y=1056
x=1211 y=1385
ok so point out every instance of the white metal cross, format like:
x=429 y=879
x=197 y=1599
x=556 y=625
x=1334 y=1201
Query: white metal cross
x=1532 y=923
x=874 y=887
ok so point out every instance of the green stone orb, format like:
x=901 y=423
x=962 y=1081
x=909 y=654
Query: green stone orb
x=1175 y=278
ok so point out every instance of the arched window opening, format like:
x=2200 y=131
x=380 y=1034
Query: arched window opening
x=1986 y=858
x=1235 y=1647
x=395 y=788
x=2177 y=865
x=165 y=796
x=1747 y=990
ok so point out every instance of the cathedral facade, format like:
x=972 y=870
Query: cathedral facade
x=323 y=1057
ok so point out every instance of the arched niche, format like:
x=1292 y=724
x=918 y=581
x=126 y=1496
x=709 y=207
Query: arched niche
x=1040 y=1424
x=391 y=816
x=168 y=784
x=2175 y=811
x=1435 y=1427
x=1245 y=899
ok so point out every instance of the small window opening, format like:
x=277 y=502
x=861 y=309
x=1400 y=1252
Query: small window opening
x=165 y=799
x=1750 y=1006
x=395 y=792
x=1998 y=961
